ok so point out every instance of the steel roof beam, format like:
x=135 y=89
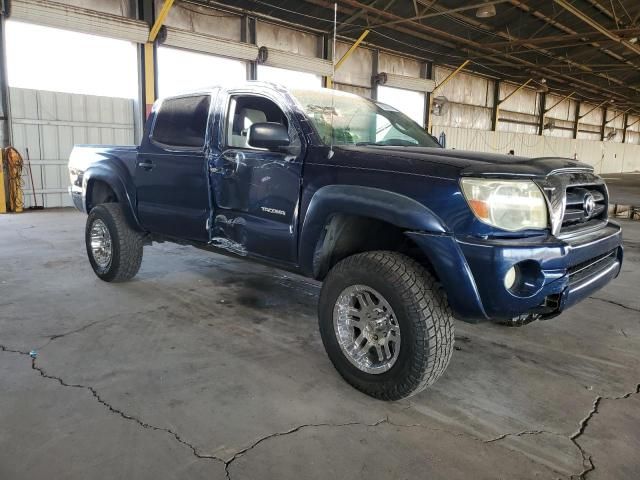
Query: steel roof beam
x=558 y=38
x=445 y=11
x=471 y=47
x=592 y=23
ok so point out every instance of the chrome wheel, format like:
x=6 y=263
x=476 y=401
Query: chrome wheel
x=367 y=329
x=101 y=249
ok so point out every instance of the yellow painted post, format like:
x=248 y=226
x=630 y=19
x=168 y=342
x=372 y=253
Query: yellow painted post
x=164 y=11
x=496 y=110
x=594 y=108
x=347 y=54
x=559 y=102
x=439 y=86
x=450 y=76
x=633 y=123
x=149 y=58
x=352 y=48
x=149 y=77
x=520 y=87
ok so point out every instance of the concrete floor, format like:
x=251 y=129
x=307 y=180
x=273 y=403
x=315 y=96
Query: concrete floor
x=206 y=367
x=624 y=188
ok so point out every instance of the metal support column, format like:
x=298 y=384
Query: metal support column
x=248 y=35
x=632 y=123
x=576 y=120
x=541 y=112
x=326 y=53
x=427 y=72
x=603 y=124
x=496 y=103
x=442 y=84
x=374 y=72
x=625 y=123
x=5 y=113
x=348 y=53
x=146 y=13
x=547 y=110
x=149 y=56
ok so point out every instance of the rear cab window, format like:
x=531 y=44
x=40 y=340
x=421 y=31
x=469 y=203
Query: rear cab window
x=182 y=122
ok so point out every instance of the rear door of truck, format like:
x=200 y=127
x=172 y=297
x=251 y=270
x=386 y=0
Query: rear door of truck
x=171 y=173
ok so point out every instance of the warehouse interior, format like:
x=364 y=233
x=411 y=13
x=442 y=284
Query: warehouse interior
x=208 y=367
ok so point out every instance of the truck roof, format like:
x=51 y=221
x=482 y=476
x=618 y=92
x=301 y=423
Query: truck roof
x=259 y=83
x=213 y=88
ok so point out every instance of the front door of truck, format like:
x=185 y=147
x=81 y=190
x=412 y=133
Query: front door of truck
x=171 y=172
x=255 y=191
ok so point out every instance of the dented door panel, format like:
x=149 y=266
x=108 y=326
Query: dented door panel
x=255 y=194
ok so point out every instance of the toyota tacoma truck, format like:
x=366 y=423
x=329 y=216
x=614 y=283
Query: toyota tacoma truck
x=404 y=235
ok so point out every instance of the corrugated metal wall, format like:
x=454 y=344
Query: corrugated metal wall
x=199 y=19
x=399 y=65
x=470 y=99
x=355 y=74
x=48 y=124
x=606 y=157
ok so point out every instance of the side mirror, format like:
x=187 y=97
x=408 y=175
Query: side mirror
x=268 y=135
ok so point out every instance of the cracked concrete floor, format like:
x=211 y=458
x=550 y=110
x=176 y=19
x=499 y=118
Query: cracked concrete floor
x=209 y=367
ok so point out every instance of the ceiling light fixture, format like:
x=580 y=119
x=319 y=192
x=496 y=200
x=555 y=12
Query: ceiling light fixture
x=486 y=11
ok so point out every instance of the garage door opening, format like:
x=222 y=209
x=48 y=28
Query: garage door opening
x=180 y=71
x=408 y=102
x=289 y=78
x=45 y=58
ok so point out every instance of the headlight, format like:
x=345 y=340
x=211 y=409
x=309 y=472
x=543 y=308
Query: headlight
x=508 y=204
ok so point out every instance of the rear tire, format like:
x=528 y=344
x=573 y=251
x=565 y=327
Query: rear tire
x=408 y=306
x=113 y=247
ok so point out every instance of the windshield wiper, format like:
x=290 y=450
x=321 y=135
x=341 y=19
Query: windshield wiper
x=397 y=142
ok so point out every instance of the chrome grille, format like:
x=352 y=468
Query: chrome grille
x=584 y=204
x=564 y=189
x=592 y=266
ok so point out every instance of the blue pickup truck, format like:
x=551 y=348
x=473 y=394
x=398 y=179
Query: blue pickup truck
x=404 y=234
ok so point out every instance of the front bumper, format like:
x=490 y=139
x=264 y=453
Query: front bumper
x=77 y=198
x=560 y=272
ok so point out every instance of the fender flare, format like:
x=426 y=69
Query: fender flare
x=376 y=203
x=121 y=185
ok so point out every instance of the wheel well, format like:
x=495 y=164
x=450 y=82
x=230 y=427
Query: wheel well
x=99 y=192
x=346 y=235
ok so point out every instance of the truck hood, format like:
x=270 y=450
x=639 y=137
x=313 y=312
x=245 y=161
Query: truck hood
x=454 y=163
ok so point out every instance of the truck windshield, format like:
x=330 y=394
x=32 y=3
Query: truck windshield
x=345 y=119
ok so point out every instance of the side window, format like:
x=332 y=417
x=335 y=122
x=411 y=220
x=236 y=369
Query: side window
x=244 y=111
x=182 y=122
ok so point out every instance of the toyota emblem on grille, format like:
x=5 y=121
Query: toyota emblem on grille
x=589 y=205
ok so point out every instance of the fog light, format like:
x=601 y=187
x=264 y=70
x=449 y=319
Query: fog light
x=524 y=279
x=510 y=278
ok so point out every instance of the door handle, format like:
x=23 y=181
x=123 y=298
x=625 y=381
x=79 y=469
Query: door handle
x=146 y=165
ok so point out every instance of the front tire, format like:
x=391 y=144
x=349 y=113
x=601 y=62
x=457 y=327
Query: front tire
x=113 y=247
x=385 y=324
